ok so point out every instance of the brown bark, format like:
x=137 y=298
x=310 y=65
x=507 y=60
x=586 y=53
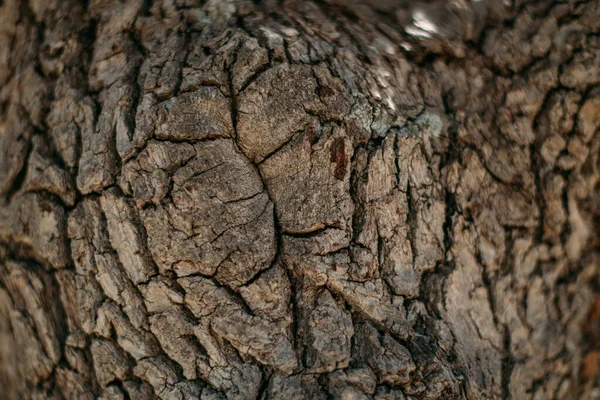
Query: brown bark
x=299 y=199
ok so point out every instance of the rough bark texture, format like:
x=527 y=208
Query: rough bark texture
x=299 y=199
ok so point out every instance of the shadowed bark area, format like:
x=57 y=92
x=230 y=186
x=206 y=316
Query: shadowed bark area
x=377 y=199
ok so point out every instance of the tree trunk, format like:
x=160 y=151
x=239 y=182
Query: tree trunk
x=299 y=199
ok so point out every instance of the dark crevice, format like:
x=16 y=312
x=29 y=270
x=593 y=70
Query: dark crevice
x=119 y=384
x=146 y=8
x=411 y=222
x=257 y=74
x=232 y=92
x=187 y=51
x=295 y=287
x=19 y=180
x=310 y=233
x=262 y=393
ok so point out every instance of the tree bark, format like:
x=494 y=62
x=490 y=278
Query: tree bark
x=299 y=199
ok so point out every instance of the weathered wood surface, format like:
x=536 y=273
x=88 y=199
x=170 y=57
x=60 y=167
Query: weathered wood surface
x=299 y=199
